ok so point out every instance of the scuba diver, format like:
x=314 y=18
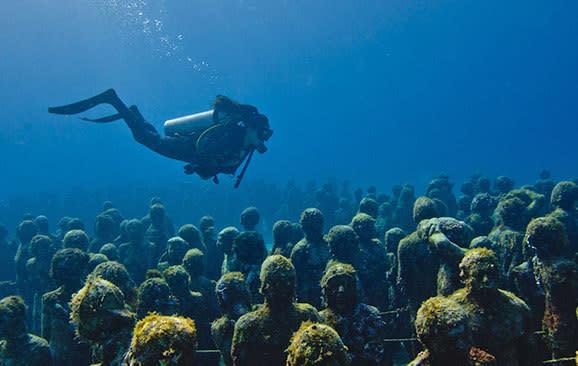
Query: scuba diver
x=212 y=142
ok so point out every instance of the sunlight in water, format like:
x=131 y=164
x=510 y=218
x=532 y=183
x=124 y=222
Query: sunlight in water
x=148 y=19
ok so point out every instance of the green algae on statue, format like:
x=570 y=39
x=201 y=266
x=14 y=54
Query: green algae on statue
x=359 y=325
x=442 y=327
x=558 y=277
x=261 y=337
x=316 y=344
x=162 y=340
x=499 y=320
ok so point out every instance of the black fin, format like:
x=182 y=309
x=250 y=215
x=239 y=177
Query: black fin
x=114 y=117
x=86 y=104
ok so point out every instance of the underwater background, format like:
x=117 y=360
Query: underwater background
x=377 y=92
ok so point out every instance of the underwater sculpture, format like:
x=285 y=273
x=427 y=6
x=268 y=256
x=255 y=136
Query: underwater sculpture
x=67 y=269
x=500 y=321
x=137 y=254
x=283 y=238
x=359 y=325
x=117 y=274
x=261 y=337
x=234 y=301
x=558 y=277
x=102 y=320
x=374 y=264
x=37 y=275
x=17 y=346
x=154 y=296
x=25 y=231
x=104 y=229
x=192 y=236
x=316 y=344
x=310 y=256
x=442 y=328
x=212 y=142
x=214 y=255
x=249 y=251
x=162 y=340
x=76 y=239
x=190 y=304
x=110 y=251
x=563 y=198
x=250 y=218
x=177 y=247
x=428 y=260
x=157 y=233
x=225 y=241
x=343 y=246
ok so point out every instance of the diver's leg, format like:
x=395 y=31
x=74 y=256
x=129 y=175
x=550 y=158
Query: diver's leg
x=107 y=97
x=175 y=147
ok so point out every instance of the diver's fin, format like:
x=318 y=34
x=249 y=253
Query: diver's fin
x=114 y=117
x=86 y=104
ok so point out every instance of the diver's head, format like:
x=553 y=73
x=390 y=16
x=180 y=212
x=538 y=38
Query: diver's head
x=258 y=132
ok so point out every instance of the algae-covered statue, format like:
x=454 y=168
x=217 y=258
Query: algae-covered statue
x=261 y=337
x=102 y=320
x=442 y=328
x=212 y=142
x=162 y=340
x=68 y=266
x=17 y=346
x=499 y=320
x=117 y=274
x=316 y=344
x=558 y=277
x=359 y=325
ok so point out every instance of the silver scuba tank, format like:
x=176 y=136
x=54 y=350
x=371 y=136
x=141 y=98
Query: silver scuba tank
x=188 y=124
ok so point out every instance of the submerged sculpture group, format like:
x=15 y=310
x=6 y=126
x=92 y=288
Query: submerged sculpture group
x=489 y=279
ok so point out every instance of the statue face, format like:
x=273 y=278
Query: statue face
x=341 y=293
x=483 y=276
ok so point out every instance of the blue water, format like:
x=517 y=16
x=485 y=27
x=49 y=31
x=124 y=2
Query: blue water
x=378 y=92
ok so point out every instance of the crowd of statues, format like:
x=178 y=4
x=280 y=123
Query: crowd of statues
x=488 y=278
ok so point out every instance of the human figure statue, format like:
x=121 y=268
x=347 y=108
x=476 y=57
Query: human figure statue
x=261 y=337
x=310 y=256
x=17 y=346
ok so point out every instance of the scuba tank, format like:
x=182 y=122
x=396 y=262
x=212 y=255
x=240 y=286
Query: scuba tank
x=189 y=124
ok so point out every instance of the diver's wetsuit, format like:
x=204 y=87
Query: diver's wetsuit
x=175 y=147
x=218 y=149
